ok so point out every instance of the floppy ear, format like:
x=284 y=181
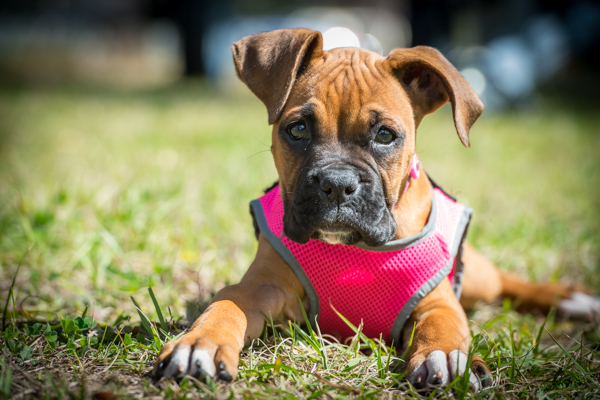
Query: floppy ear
x=430 y=81
x=269 y=62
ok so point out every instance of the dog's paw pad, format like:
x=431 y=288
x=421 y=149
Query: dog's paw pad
x=580 y=306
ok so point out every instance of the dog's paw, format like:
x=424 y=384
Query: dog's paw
x=580 y=306
x=199 y=356
x=439 y=369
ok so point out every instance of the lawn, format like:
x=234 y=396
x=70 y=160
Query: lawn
x=105 y=193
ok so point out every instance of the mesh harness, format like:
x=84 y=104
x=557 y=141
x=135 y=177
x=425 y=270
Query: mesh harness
x=378 y=286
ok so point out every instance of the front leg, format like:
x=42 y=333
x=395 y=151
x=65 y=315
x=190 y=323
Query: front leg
x=235 y=316
x=441 y=342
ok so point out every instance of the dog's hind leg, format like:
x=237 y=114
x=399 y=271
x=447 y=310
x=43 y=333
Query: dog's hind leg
x=483 y=281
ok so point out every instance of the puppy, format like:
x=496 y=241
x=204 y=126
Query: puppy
x=354 y=224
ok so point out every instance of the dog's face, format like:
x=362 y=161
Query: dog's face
x=342 y=147
x=344 y=124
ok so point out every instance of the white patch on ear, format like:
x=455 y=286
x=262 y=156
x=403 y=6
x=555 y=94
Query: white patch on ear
x=339 y=37
x=580 y=305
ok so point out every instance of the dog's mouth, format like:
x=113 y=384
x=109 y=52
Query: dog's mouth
x=343 y=236
x=343 y=225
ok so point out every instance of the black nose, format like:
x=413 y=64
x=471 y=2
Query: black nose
x=337 y=185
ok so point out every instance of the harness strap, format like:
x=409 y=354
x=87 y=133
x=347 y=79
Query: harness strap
x=415 y=171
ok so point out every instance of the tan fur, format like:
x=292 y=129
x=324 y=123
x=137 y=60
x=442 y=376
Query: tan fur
x=288 y=70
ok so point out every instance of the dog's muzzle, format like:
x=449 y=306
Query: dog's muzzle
x=339 y=204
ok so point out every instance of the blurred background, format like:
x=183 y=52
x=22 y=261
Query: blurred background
x=129 y=151
x=506 y=49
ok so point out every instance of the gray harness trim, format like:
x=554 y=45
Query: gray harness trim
x=459 y=236
x=288 y=257
x=459 y=266
x=400 y=244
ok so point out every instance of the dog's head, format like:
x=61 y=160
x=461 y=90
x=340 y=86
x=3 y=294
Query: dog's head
x=344 y=124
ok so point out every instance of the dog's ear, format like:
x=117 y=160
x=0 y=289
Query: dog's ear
x=430 y=81
x=269 y=62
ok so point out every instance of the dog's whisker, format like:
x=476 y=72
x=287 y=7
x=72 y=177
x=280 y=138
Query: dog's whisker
x=258 y=152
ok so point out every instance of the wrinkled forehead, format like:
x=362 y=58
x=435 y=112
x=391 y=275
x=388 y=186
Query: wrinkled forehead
x=349 y=85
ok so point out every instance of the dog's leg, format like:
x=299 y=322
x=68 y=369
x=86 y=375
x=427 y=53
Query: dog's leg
x=235 y=316
x=483 y=281
x=441 y=342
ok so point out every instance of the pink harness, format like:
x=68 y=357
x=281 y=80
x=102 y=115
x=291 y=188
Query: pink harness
x=379 y=286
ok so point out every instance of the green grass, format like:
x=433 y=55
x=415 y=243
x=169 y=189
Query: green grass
x=113 y=192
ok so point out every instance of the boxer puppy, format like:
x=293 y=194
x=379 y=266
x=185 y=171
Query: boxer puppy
x=343 y=141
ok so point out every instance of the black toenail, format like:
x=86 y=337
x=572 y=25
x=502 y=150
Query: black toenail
x=221 y=365
x=481 y=372
x=437 y=381
x=486 y=382
x=198 y=363
x=200 y=374
x=224 y=375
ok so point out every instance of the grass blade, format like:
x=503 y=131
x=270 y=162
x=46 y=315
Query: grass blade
x=6 y=378
x=12 y=285
x=147 y=324
x=577 y=365
x=163 y=323
x=380 y=369
x=306 y=320
x=362 y=336
x=323 y=351
x=513 y=361
x=549 y=319
x=412 y=335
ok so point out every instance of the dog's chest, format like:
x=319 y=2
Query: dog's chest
x=376 y=286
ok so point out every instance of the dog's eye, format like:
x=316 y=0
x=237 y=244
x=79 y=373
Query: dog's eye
x=298 y=131
x=384 y=136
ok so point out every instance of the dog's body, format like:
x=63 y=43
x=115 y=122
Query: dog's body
x=344 y=136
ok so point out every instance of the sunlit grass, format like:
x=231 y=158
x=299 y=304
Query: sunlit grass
x=116 y=192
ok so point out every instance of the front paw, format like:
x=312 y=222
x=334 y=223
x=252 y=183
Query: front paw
x=198 y=355
x=439 y=369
